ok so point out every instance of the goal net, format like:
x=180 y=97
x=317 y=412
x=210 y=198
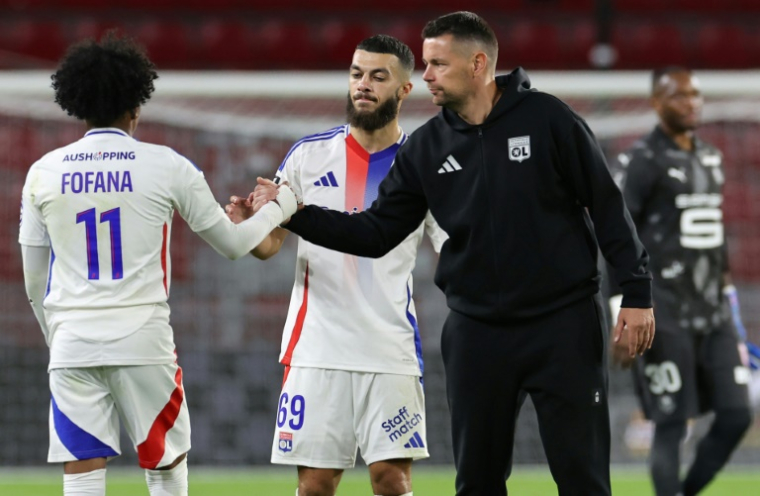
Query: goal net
x=228 y=317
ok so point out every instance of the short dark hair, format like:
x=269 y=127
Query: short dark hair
x=464 y=26
x=382 y=43
x=100 y=81
x=657 y=74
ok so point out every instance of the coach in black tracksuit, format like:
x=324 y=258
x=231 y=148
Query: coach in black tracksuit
x=523 y=191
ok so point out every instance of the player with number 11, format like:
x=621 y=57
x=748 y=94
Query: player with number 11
x=95 y=229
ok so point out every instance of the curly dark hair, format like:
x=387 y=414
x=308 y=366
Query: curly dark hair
x=100 y=81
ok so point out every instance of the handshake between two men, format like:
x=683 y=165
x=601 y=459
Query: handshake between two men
x=624 y=348
x=241 y=208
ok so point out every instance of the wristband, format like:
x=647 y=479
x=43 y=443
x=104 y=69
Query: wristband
x=287 y=201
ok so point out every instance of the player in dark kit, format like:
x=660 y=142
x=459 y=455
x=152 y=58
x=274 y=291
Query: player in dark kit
x=672 y=181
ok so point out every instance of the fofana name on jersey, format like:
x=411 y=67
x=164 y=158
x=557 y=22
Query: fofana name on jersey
x=96 y=182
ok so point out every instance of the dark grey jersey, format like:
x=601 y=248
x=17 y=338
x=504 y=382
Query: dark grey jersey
x=675 y=200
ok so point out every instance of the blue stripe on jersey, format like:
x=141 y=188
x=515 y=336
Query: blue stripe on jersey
x=79 y=442
x=312 y=137
x=379 y=165
x=91 y=133
x=50 y=271
x=417 y=339
x=754 y=355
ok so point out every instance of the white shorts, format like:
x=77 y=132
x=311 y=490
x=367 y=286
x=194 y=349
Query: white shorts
x=86 y=404
x=324 y=415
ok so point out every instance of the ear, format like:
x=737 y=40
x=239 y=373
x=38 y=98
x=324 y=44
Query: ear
x=404 y=90
x=134 y=118
x=479 y=64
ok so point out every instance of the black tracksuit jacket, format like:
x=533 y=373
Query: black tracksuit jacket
x=523 y=216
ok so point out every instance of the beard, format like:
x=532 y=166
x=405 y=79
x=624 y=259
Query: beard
x=680 y=124
x=374 y=119
x=452 y=102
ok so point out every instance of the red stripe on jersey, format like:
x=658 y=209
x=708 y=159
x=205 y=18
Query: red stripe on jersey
x=150 y=451
x=298 y=327
x=357 y=166
x=285 y=375
x=163 y=257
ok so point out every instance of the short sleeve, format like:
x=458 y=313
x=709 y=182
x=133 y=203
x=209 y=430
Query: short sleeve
x=290 y=171
x=32 y=228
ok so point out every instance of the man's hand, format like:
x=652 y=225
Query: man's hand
x=239 y=209
x=636 y=326
x=619 y=351
x=266 y=191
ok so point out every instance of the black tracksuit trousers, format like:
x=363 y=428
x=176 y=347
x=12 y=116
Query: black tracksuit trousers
x=559 y=360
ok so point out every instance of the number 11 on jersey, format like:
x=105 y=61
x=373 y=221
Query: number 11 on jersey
x=113 y=217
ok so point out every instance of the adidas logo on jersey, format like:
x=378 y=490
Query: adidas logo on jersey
x=450 y=165
x=327 y=180
x=415 y=441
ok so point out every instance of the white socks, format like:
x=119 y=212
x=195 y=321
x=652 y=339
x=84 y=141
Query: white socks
x=168 y=482
x=86 y=484
x=160 y=482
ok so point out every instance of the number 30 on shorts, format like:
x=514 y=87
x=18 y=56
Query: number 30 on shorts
x=297 y=409
x=663 y=378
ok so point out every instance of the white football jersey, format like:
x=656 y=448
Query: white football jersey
x=104 y=205
x=348 y=312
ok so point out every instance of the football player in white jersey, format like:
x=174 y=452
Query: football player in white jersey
x=351 y=346
x=94 y=234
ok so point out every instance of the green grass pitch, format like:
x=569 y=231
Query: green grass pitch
x=277 y=482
